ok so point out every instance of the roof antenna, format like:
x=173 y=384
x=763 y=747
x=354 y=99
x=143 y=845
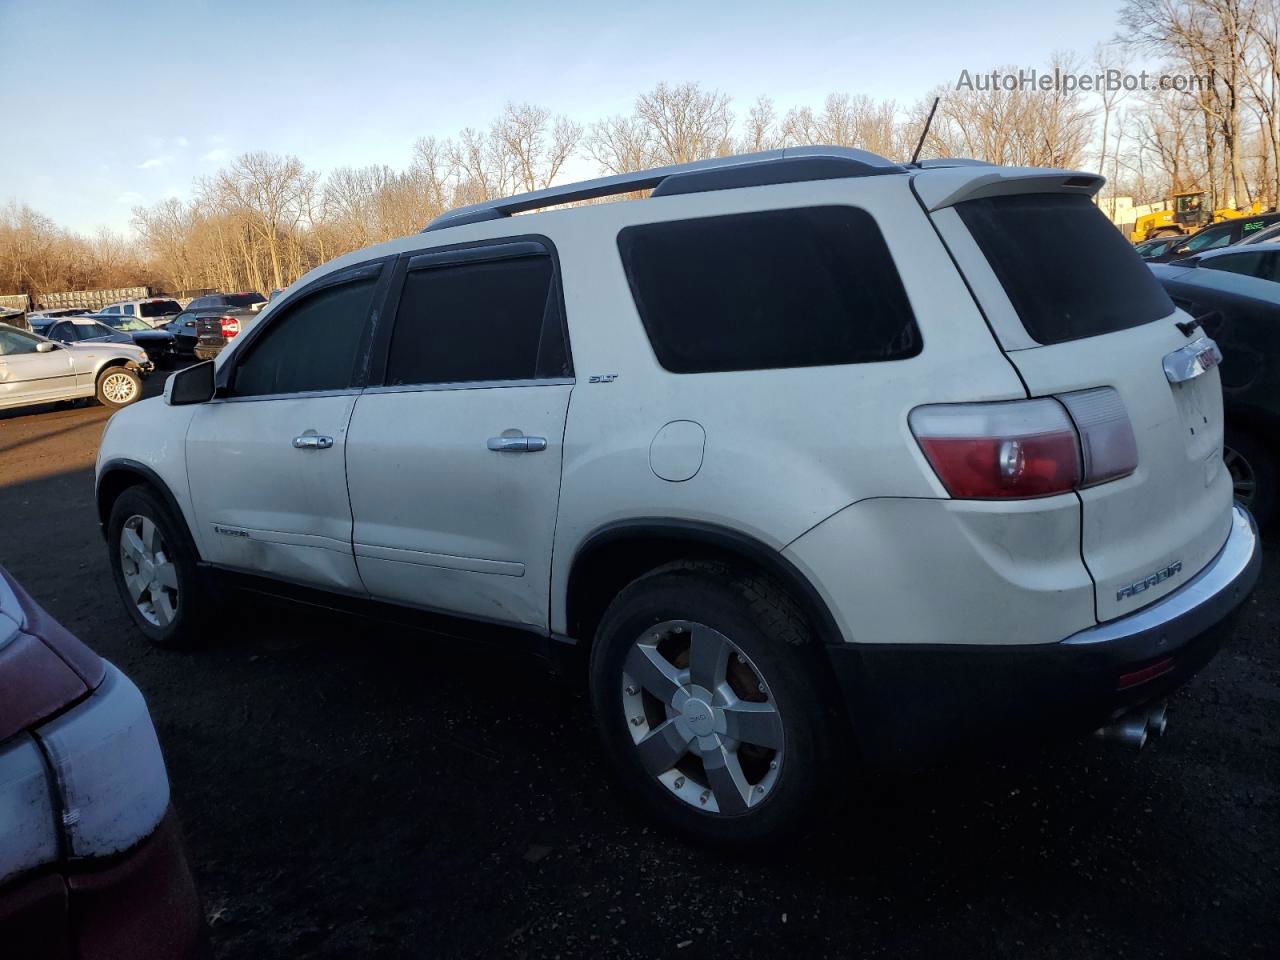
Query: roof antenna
x=925 y=132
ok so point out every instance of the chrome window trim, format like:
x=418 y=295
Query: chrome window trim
x=472 y=385
x=403 y=388
x=302 y=394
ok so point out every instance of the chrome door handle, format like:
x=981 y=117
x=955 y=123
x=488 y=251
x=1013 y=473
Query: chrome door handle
x=517 y=444
x=309 y=441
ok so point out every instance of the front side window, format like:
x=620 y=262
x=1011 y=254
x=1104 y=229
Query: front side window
x=468 y=322
x=66 y=332
x=1068 y=272
x=15 y=342
x=805 y=287
x=311 y=345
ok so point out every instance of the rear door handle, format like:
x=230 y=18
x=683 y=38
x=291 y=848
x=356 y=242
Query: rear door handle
x=517 y=444
x=310 y=441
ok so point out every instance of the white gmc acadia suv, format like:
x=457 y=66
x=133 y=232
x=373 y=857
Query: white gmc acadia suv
x=819 y=458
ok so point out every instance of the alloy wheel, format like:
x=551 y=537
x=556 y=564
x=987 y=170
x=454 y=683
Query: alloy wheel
x=149 y=575
x=1244 y=480
x=702 y=717
x=119 y=387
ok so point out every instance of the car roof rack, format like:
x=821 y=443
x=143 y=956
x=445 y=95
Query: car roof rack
x=787 y=165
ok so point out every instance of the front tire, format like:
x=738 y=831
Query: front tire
x=155 y=570
x=710 y=702
x=119 y=387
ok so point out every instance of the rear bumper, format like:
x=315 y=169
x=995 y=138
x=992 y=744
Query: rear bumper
x=142 y=905
x=909 y=702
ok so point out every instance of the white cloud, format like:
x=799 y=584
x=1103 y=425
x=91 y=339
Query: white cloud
x=182 y=141
x=129 y=197
x=216 y=155
x=154 y=162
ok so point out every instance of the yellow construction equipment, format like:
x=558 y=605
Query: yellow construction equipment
x=1187 y=214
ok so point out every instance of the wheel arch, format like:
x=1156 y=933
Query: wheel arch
x=617 y=553
x=120 y=474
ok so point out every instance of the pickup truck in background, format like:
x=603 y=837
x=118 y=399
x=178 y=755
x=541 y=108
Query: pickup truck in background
x=220 y=317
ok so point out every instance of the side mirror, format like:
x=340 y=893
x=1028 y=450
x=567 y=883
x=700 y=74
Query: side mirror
x=46 y=346
x=192 y=385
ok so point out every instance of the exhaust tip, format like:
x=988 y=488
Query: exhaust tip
x=1133 y=729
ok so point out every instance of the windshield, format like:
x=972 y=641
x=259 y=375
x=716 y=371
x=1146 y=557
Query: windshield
x=160 y=308
x=1209 y=240
x=1190 y=203
x=128 y=324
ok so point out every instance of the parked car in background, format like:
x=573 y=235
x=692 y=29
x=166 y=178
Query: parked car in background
x=183 y=328
x=1266 y=235
x=1234 y=295
x=92 y=864
x=114 y=328
x=220 y=318
x=229 y=302
x=852 y=448
x=41 y=320
x=34 y=369
x=155 y=311
x=1218 y=235
x=1157 y=247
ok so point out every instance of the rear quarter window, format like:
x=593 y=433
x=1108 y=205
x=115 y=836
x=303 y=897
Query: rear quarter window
x=804 y=287
x=160 y=308
x=1068 y=273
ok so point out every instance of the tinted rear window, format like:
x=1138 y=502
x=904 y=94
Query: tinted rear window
x=243 y=299
x=780 y=288
x=160 y=308
x=1067 y=271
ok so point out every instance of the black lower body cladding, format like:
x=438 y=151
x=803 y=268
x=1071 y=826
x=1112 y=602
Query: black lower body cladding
x=912 y=702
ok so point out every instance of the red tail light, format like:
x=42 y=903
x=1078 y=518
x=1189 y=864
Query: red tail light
x=1027 y=448
x=230 y=326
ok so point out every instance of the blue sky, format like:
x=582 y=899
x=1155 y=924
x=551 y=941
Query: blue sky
x=113 y=104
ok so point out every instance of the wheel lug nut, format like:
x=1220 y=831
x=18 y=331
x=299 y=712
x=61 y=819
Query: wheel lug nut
x=632 y=691
x=679 y=782
x=759 y=789
x=760 y=687
x=636 y=721
x=741 y=658
x=773 y=764
x=702 y=799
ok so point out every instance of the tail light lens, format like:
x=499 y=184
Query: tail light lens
x=1024 y=448
x=1106 y=435
x=1027 y=448
x=230 y=326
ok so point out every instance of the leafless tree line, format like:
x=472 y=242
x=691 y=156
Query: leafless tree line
x=264 y=220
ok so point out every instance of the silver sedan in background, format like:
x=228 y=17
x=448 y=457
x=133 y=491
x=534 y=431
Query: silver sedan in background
x=34 y=369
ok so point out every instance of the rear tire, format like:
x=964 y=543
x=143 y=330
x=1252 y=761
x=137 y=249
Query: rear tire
x=1254 y=474
x=688 y=656
x=155 y=570
x=119 y=387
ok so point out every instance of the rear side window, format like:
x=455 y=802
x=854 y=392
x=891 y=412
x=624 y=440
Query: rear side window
x=1067 y=271
x=311 y=345
x=805 y=287
x=467 y=322
x=160 y=308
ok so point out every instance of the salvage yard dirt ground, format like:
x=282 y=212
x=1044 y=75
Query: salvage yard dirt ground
x=348 y=790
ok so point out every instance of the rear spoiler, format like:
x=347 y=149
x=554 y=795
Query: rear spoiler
x=938 y=188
